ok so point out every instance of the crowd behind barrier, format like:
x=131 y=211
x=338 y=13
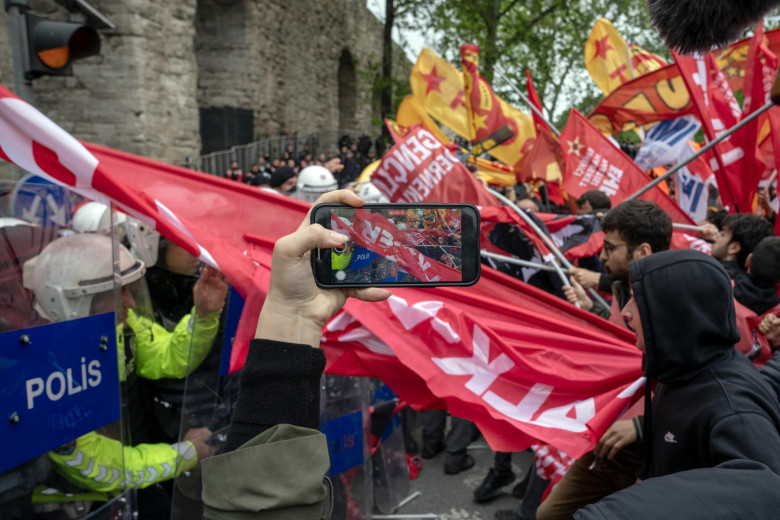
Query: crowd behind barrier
x=355 y=150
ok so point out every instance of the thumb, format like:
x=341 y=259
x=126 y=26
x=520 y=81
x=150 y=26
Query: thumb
x=307 y=238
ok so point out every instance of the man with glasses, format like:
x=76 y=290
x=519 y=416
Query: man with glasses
x=633 y=229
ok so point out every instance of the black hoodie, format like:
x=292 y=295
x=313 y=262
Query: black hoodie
x=711 y=405
x=734 y=490
x=754 y=294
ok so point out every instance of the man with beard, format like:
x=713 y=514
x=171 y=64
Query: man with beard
x=634 y=229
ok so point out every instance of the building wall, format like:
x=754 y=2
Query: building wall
x=166 y=60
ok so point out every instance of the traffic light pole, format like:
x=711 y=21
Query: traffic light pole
x=17 y=29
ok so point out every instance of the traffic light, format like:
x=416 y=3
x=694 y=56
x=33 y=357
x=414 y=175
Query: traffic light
x=52 y=46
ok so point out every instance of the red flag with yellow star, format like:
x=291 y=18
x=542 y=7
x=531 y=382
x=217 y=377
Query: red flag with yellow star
x=661 y=94
x=487 y=125
x=593 y=162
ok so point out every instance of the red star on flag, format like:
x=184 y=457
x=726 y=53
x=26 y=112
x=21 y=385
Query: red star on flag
x=432 y=80
x=602 y=46
x=459 y=100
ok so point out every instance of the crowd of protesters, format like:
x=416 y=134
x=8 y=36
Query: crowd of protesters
x=345 y=161
x=745 y=252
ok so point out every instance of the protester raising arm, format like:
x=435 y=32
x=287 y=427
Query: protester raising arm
x=276 y=459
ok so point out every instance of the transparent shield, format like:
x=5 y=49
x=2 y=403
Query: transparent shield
x=192 y=406
x=345 y=420
x=61 y=364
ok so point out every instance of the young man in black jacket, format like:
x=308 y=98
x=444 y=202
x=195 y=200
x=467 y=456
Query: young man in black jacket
x=710 y=405
x=712 y=428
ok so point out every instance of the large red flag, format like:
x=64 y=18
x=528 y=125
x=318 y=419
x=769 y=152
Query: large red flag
x=736 y=161
x=519 y=362
x=594 y=163
x=500 y=353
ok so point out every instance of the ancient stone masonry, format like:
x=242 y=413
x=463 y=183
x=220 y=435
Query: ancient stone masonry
x=295 y=64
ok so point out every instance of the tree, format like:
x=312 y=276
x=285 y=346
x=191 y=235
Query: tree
x=545 y=36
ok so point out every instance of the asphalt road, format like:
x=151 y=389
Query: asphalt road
x=450 y=496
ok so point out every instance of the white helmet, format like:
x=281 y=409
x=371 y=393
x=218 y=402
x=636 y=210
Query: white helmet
x=370 y=193
x=313 y=181
x=144 y=241
x=70 y=271
x=95 y=217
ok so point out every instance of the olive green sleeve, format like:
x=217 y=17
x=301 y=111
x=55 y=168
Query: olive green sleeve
x=279 y=474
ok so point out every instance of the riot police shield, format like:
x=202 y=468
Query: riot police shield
x=346 y=422
x=197 y=408
x=390 y=467
x=61 y=362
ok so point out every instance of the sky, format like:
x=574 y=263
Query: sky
x=411 y=41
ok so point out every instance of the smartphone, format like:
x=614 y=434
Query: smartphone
x=402 y=245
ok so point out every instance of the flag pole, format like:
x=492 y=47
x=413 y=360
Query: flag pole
x=535 y=110
x=688 y=227
x=549 y=243
x=517 y=261
x=701 y=151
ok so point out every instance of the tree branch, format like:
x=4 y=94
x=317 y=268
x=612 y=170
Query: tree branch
x=511 y=42
x=508 y=8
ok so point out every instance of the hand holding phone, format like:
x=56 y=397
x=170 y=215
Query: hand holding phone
x=295 y=309
x=417 y=245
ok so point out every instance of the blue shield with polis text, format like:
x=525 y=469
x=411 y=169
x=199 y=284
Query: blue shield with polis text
x=60 y=381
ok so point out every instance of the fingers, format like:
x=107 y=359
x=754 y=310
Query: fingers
x=571 y=294
x=312 y=236
x=336 y=197
x=370 y=294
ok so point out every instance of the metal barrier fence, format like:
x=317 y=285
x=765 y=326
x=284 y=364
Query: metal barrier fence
x=322 y=141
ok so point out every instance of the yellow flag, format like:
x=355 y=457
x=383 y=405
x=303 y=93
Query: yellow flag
x=411 y=113
x=606 y=56
x=438 y=87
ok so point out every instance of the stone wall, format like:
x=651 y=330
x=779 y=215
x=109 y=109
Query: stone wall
x=166 y=60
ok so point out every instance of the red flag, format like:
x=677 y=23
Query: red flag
x=594 y=163
x=653 y=97
x=736 y=161
x=545 y=159
x=373 y=231
x=421 y=169
x=487 y=353
x=533 y=97
x=573 y=371
x=487 y=124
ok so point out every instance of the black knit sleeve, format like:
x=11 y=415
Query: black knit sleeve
x=280 y=384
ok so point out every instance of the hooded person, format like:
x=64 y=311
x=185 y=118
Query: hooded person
x=283 y=180
x=733 y=490
x=710 y=405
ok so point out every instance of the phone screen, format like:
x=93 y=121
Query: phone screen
x=399 y=245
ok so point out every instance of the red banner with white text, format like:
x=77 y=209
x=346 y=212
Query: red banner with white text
x=421 y=169
x=593 y=162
